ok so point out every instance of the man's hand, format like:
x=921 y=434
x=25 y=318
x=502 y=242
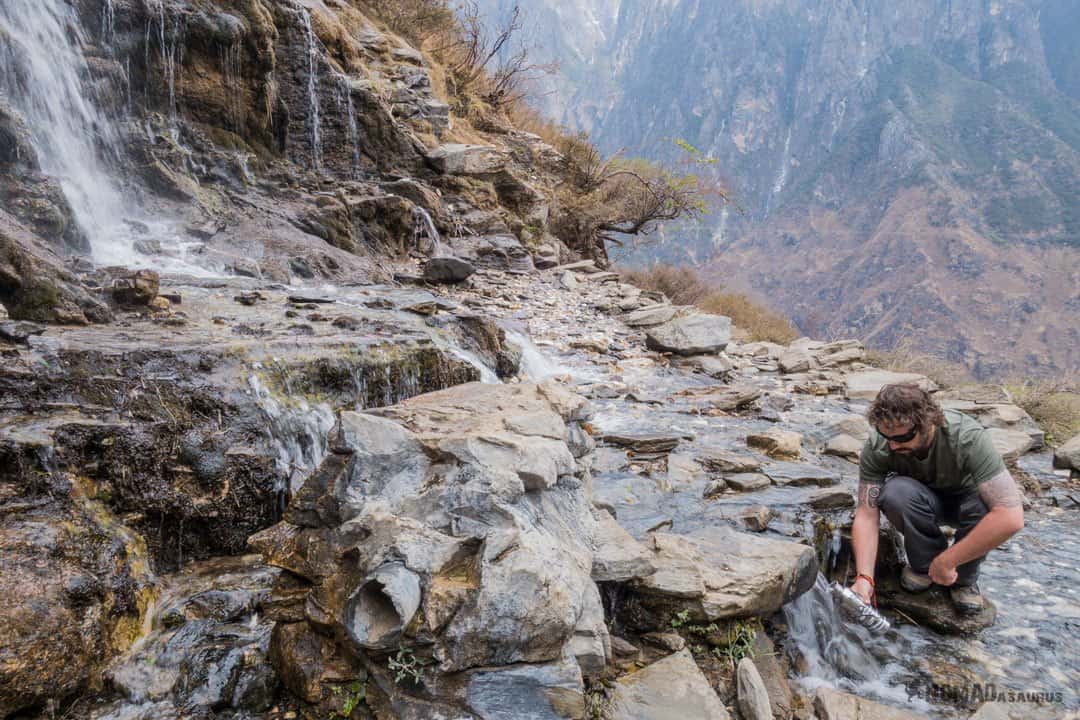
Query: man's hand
x=863 y=589
x=942 y=571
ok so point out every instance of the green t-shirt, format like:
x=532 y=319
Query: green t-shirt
x=961 y=458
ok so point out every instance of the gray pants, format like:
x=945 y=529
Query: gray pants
x=918 y=512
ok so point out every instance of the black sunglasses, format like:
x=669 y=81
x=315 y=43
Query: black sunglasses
x=906 y=437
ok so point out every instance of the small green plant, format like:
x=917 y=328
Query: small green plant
x=679 y=619
x=740 y=643
x=356 y=696
x=406 y=666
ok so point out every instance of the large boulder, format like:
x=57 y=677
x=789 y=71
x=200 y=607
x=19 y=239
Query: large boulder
x=719 y=572
x=1068 y=455
x=447 y=269
x=693 y=334
x=671 y=689
x=459 y=527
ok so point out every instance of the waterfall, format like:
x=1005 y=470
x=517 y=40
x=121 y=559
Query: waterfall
x=171 y=47
x=351 y=128
x=41 y=71
x=311 y=49
x=233 y=71
x=535 y=366
x=718 y=236
x=426 y=238
x=295 y=429
x=108 y=24
x=781 y=175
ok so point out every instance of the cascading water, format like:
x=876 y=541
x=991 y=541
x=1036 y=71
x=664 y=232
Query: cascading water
x=426 y=237
x=352 y=128
x=297 y=431
x=311 y=49
x=41 y=71
x=535 y=366
x=843 y=654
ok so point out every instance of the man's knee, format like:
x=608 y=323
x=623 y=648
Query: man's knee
x=904 y=495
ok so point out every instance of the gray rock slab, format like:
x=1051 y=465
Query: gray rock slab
x=547 y=691
x=671 y=689
x=835 y=705
x=745 y=482
x=1068 y=455
x=651 y=315
x=729 y=461
x=618 y=556
x=718 y=572
x=693 y=334
x=458 y=159
x=865 y=384
x=777 y=443
x=753 y=698
x=844 y=446
x=800 y=474
x=1016 y=711
x=830 y=499
x=448 y=270
x=643 y=442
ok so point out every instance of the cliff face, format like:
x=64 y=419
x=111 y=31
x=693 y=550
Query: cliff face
x=905 y=170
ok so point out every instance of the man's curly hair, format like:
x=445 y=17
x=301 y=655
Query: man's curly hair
x=904 y=403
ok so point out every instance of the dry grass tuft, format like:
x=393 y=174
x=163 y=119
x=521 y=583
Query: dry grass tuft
x=684 y=286
x=903 y=357
x=1054 y=404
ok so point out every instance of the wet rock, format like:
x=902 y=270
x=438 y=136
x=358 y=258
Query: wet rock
x=752 y=696
x=725 y=398
x=718 y=572
x=830 y=499
x=310 y=663
x=568 y=281
x=843 y=446
x=249 y=298
x=835 y=705
x=933 y=609
x=549 y=691
x=618 y=557
x=35 y=287
x=729 y=461
x=671 y=689
x=800 y=474
x=715 y=366
x=693 y=334
x=651 y=315
x=448 y=270
x=643 y=442
x=1068 y=455
x=756 y=518
x=777 y=443
x=746 y=482
x=19 y=332
x=865 y=384
x=714 y=488
x=773 y=675
x=1010 y=444
x=796 y=360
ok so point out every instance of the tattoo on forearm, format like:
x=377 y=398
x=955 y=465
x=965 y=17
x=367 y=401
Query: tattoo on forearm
x=868 y=494
x=1000 y=491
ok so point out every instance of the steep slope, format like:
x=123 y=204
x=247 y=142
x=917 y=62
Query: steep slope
x=948 y=126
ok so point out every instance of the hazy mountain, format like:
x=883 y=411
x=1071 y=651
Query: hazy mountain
x=904 y=169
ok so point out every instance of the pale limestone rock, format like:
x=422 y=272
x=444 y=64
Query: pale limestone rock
x=835 y=705
x=671 y=689
x=752 y=695
x=843 y=446
x=618 y=556
x=1068 y=455
x=865 y=384
x=777 y=443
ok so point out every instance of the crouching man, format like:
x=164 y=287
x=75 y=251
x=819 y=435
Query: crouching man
x=924 y=468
